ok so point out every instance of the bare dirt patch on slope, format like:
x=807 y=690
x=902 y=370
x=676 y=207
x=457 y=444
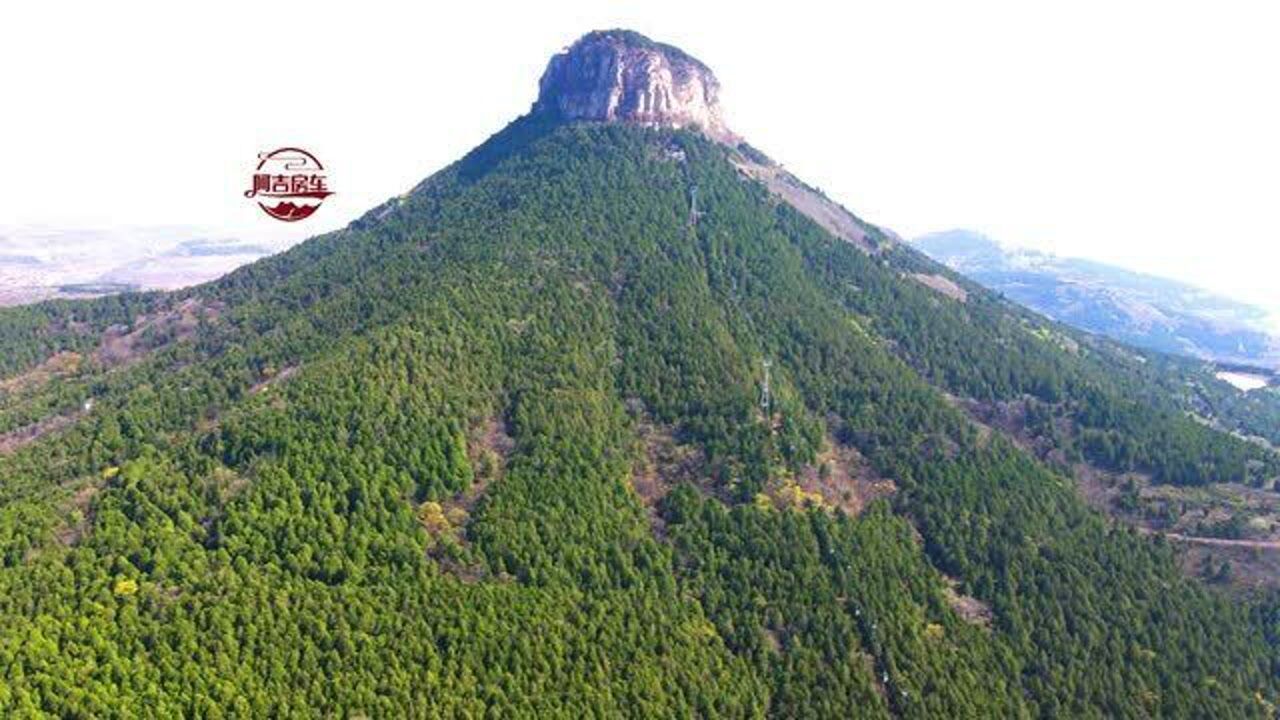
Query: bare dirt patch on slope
x=489 y=446
x=76 y=511
x=843 y=479
x=832 y=216
x=60 y=364
x=14 y=440
x=663 y=463
x=969 y=608
x=941 y=284
x=124 y=344
x=273 y=378
x=488 y=450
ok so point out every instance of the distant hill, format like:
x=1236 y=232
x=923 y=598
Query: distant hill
x=1143 y=310
x=1139 y=309
x=43 y=263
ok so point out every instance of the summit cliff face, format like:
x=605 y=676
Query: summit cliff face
x=622 y=76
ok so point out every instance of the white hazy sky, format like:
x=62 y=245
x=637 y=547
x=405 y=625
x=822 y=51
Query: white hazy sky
x=1145 y=134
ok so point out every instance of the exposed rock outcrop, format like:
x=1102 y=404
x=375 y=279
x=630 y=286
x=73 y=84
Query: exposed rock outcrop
x=622 y=76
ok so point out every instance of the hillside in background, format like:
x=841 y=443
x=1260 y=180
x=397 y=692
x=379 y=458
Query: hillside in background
x=610 y=418
x=1143 y=310
x=42 y=263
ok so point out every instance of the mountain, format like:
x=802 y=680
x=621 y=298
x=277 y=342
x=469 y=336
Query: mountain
x=1143 y=310
x=611 y=417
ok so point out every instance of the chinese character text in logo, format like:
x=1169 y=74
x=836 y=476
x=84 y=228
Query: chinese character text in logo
x=289 y=184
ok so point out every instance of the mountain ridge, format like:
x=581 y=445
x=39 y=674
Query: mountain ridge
x=1144 y=309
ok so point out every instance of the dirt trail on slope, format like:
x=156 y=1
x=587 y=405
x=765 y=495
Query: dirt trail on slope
x=1220 y=542
x=14 y=440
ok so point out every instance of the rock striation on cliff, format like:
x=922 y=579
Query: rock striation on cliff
x=623 y=76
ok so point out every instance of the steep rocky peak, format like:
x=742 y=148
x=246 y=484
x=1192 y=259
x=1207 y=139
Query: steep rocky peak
x=623 y=76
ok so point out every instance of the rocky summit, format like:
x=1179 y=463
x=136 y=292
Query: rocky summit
x=623 y=76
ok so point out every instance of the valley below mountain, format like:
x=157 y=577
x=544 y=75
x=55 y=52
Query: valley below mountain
x=45 y=263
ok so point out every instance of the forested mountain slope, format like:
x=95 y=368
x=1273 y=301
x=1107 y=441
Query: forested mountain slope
x=423 y=466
